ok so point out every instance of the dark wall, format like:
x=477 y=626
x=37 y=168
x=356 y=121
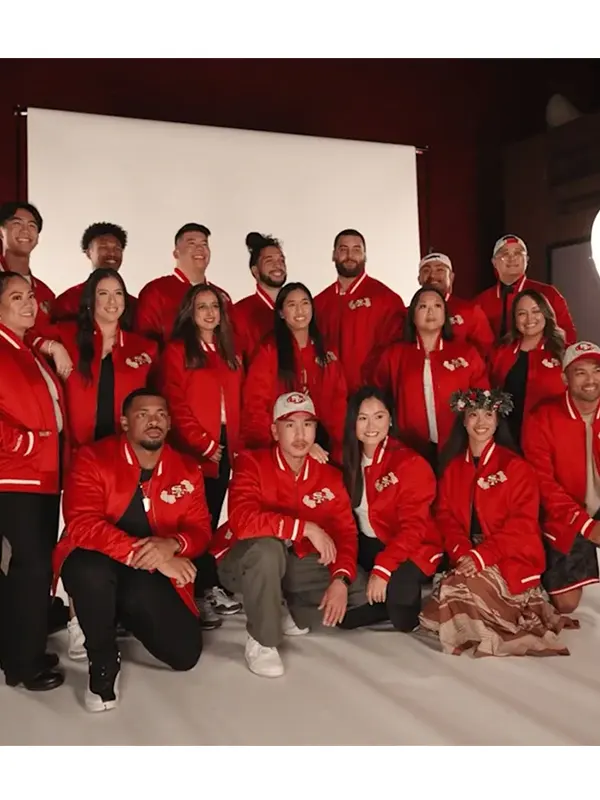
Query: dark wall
x=451 y=106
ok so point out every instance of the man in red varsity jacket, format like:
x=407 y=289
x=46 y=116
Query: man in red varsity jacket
x=20 y=228
x=290 y=534
x=510 y=260
x=135 y=515
x=561 y=439
x=357 y=315
x=468 y=321
x=103 y=243
x=159 y=300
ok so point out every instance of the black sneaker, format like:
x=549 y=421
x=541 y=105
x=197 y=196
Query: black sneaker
x=102 y=693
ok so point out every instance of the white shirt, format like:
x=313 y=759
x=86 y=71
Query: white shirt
x=362 y=512
x=53 y=394
x=430 y=400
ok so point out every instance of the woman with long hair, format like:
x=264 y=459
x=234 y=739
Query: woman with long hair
x=201 y=377
x=528 y=364
x=294 y=359
x=423 y=371
x=32 y=427
x=106 y=361
x=487 y=513
x=392 y=489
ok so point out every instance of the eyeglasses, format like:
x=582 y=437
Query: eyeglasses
x=514 y=254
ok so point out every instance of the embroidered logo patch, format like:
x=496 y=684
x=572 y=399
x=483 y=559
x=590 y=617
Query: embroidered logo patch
x=386 y=480
x=456 y=363
x=362 y=302
x=550 y=362
x=583 y=347
x=457 y=320
x=316 y=498
x=176 y=492
x=492 y=480
x=138 y=361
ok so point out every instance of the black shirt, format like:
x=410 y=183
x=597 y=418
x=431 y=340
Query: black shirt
x=475 y=533
x=105 y=407
x=135 y=519
x=516 y=385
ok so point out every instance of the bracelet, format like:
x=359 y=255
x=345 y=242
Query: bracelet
x=51 y=344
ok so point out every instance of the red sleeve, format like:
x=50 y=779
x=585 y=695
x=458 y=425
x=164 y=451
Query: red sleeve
x=333 y=413
x=563 y=316
x=382 y=372
x=389 y=329
x=413 y=499
x=341 y=526
x=258 y=399
x=16 y=440
x=479 y=373
x=196 y=533
x=454 y=536
x=66 y=306
x=84 y=505
x=147 y=314
x=481 y=334
x=563 y=517
x=520 y=530
x=247 y=517
x=186 y=427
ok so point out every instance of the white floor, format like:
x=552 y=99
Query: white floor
x=344 y=688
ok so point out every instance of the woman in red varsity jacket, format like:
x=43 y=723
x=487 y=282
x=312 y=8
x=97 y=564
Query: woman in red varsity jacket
x=392 y=489
x=201 y=378
x=424 y=370
x=32 y=420
x=528 y=364
x=487 y=513
x=294 y=359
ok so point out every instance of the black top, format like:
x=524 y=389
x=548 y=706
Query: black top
x=135 y=519
x=475 y=533
x=516 y=384
x=105 y=408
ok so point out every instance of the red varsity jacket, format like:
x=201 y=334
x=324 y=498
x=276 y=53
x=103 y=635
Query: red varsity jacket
x=470 y=324
x=252 y=321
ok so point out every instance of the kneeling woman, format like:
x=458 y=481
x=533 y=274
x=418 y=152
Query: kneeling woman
x=487 y=514
x=392 y=489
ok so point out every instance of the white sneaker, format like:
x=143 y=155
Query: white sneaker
x=222 y=602
x=102 y=693
x=289 y=626
x=263 y=661
x=77 y=651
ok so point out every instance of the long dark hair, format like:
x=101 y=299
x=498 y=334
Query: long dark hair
x=459 y=441
x=284 y=338
x=353 y=448
x=186 y=330
x=86 y=317
x=553 y=335
x=410 y=329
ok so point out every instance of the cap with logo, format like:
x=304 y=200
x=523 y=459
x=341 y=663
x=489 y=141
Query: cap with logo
x=579 y=351
x=509 y=238
x=442 y=257
x=293 y=403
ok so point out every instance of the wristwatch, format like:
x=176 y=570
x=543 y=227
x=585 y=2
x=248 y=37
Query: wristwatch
x=344 y=579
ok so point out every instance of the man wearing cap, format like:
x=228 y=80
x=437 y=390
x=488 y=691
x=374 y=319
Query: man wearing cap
x=159 y=300
x=561 y=440
x=510 y=260
x=290 y=536
x=468 y=321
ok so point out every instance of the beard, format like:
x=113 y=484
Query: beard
x=152 y=445
x=272 y=283
x=350 y=271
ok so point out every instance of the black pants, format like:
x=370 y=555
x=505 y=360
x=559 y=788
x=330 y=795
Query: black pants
x=30 y=524
x=403 y=599
x=216 y=489
x=146 y=603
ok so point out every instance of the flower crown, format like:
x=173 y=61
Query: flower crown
x=486 y=399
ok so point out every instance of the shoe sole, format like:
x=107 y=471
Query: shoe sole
x=96 y=704
x=210 y=626
x=77 y=656
x=265 y=674
x=227 y=612
x=297 y=632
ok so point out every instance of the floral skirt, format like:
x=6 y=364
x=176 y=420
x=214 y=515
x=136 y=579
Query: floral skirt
x=481 y=614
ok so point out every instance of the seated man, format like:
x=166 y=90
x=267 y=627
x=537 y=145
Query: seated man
x=135 y=514
x=290 y=536
x=561 y=439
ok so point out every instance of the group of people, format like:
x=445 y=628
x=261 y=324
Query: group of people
x=369 y=451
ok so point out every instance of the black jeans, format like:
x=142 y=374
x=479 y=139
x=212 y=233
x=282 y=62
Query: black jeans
x=403 y=599
x=216 y=489
x=29 y=522
x=104 y=590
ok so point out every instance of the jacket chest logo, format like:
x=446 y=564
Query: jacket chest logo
x=550 y=363
x=362 y=302
x=492 y=480
x=457 y=319
x=138 y=361
x=317 y=498
x=456 y=363
x=386 y=480
x=176 y=492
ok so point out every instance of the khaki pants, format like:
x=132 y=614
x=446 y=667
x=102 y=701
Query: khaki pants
x=266 y=572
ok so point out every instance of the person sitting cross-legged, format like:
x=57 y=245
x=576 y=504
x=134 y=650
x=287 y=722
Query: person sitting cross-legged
x=135 y=514
x=290 y=537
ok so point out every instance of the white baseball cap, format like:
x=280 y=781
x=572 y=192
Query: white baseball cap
x=509 y=238
x=579 y=351
x=293 y=403
x=436 y=257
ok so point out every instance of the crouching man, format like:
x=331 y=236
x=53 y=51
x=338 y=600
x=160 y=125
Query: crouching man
x=135 y=514
x=291 y=537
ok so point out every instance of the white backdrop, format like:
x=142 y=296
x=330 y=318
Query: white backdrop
x=152 y=177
